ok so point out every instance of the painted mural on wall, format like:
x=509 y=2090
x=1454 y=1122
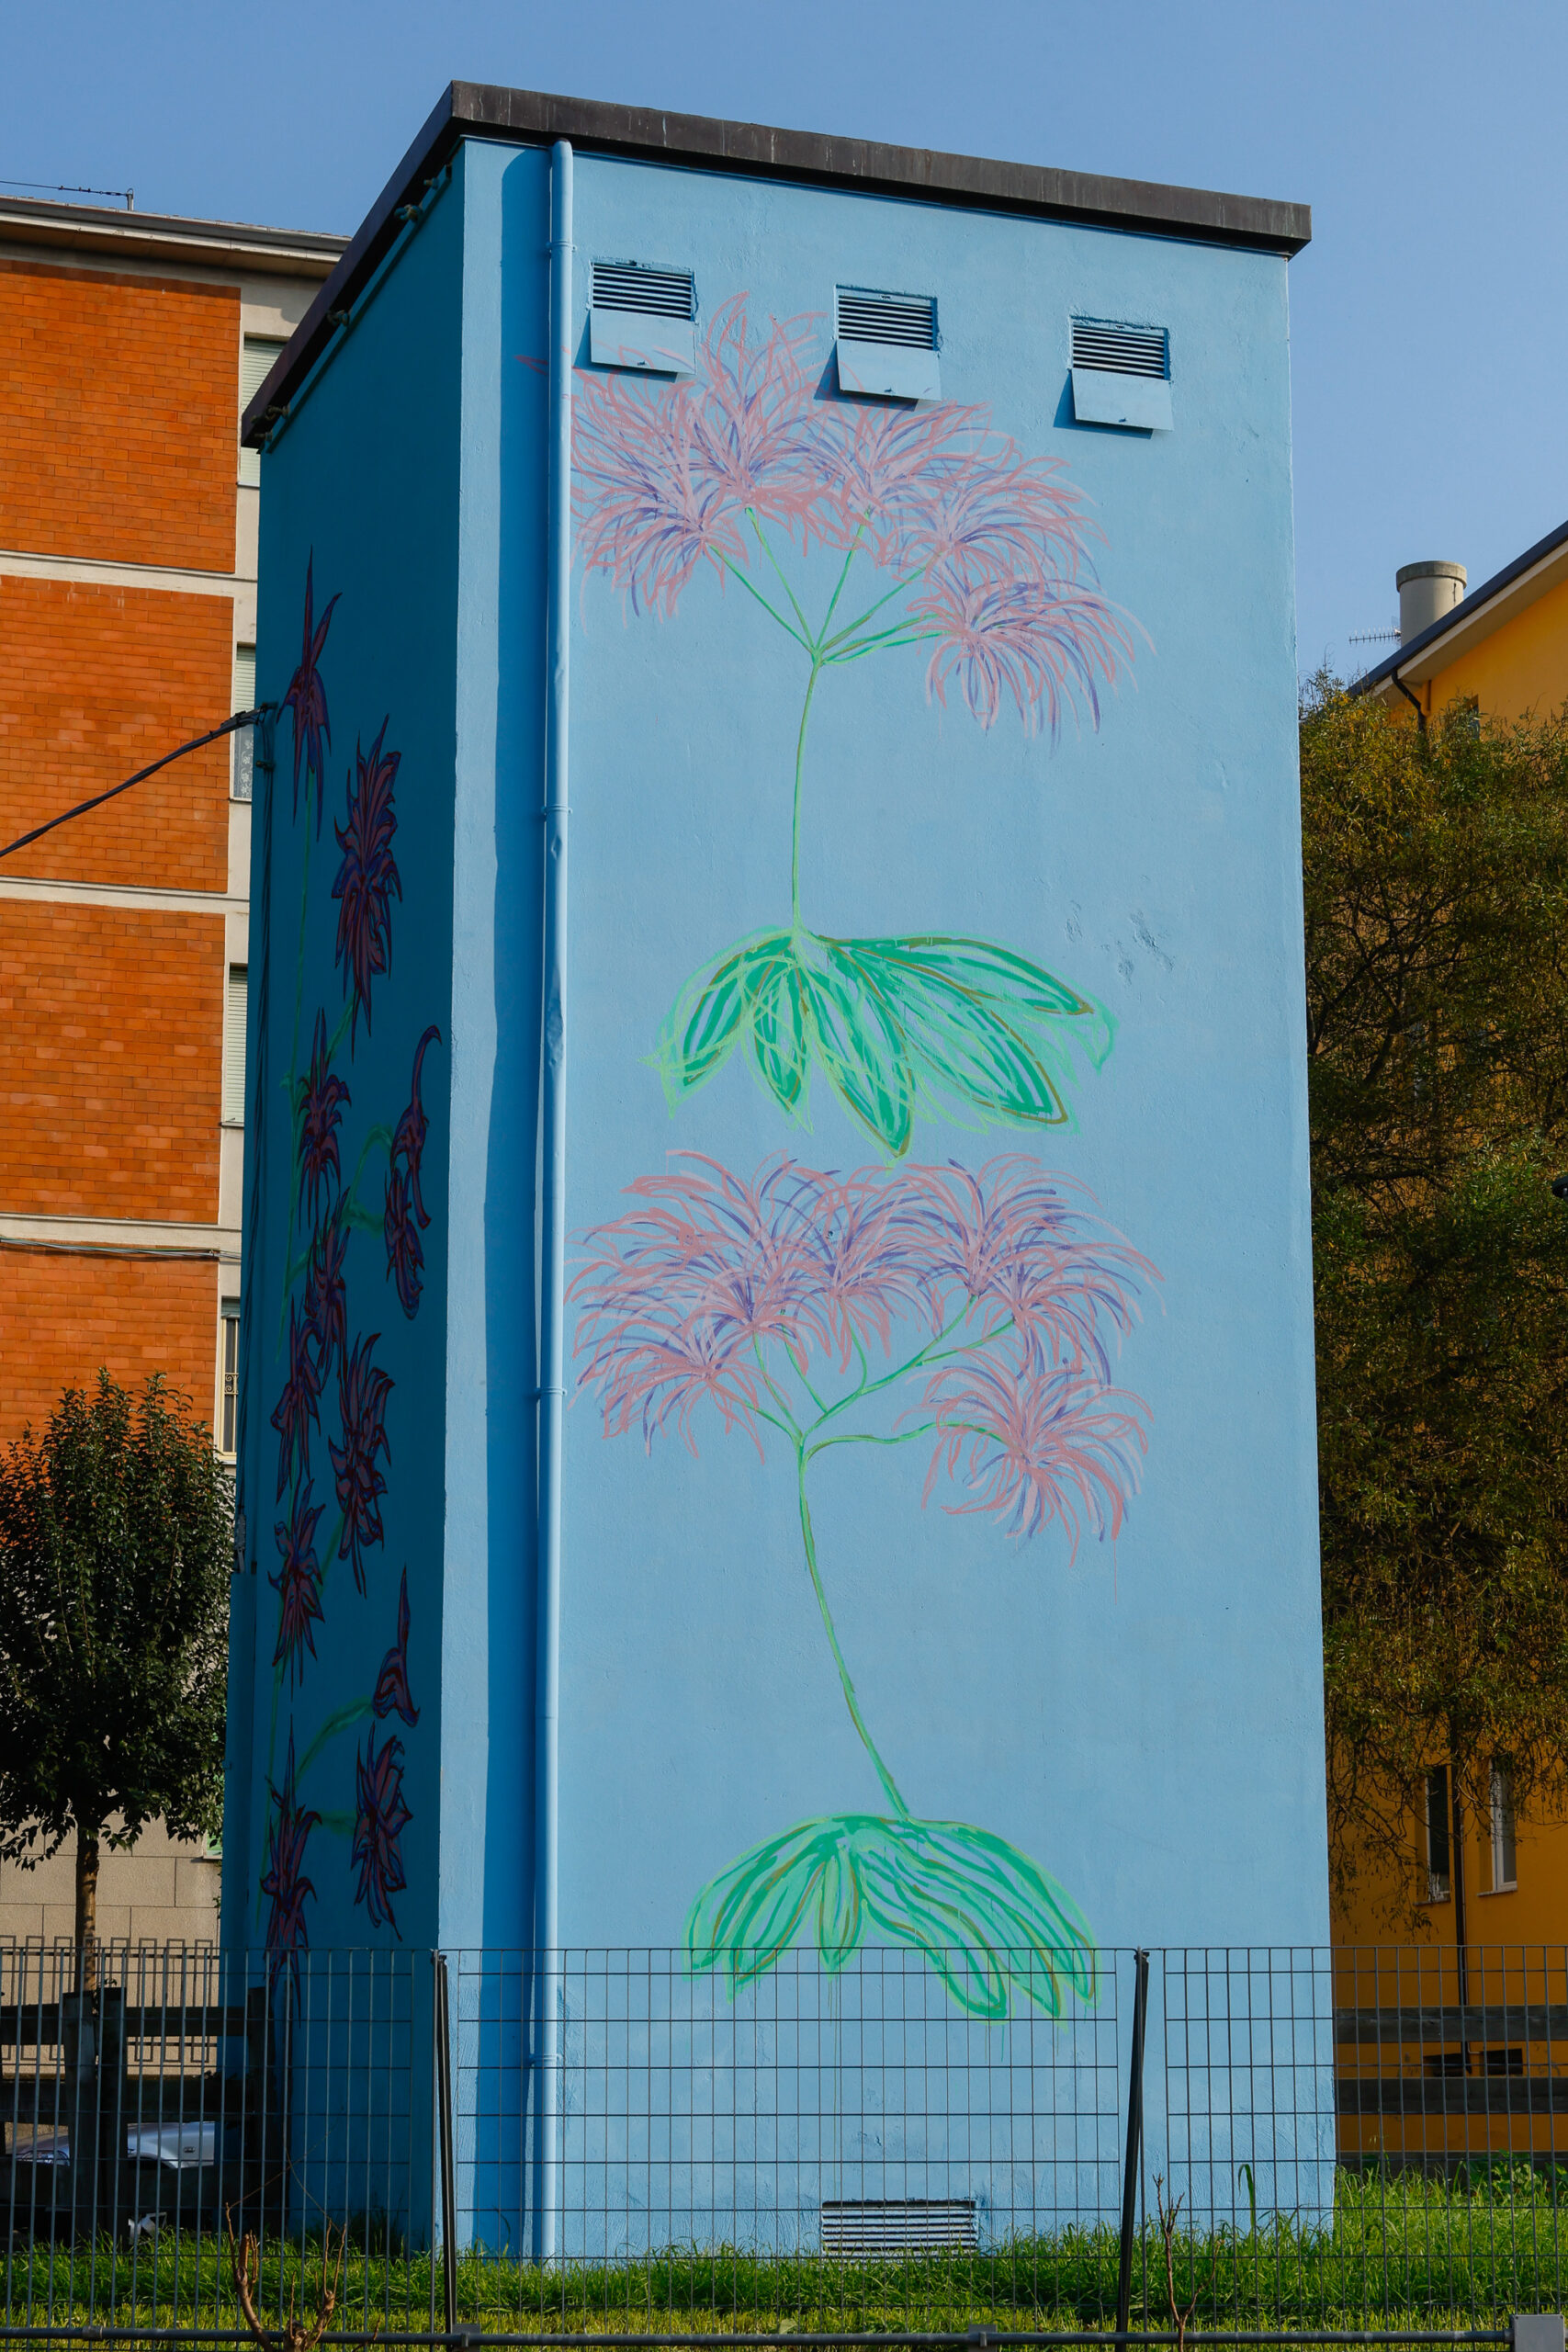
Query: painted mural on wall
x=972 y=1316
x=342 y=1249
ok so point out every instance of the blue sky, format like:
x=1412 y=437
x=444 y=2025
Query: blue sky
x=1429 y=335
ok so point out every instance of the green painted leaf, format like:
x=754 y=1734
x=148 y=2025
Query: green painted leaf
x=976 y=1030
x=781 y=1032
x=986 y=1029
x=992 y=1927
x=714 y=1010
x=860 y=1047
x=961 y=1046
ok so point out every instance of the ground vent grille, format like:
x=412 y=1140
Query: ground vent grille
x=898 y=2225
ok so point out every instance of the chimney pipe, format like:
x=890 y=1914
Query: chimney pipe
x=1427 y=593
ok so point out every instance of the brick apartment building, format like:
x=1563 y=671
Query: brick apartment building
x=128 y=344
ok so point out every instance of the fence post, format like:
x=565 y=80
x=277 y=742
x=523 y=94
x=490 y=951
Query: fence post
x=1134 y=2141
x=443 y=2122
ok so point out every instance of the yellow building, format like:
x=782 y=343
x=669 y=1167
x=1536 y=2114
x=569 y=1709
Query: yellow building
x=1503 y=646
x=1477 y=1989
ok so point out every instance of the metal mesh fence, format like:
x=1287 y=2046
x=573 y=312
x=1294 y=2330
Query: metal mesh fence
x=609 y=2143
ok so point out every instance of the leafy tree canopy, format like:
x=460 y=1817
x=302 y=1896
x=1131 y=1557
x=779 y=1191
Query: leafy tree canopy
x=114 y=1550
x=1436 y=871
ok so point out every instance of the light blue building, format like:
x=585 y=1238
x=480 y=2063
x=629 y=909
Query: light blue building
x=778 y=1357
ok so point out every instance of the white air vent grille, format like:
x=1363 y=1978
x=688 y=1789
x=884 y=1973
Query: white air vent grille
x=875 y=2225
x=656 y=293
x=1119 y=351
x=907 y=320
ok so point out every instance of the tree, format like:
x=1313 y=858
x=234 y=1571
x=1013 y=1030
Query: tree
x=1436 y=870
x=115 y=1546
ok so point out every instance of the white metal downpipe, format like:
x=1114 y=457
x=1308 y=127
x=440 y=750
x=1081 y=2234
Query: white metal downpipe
x=552 y=1256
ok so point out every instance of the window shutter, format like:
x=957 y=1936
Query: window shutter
x=234 y=1043
x=243 y=767
x=257 y=352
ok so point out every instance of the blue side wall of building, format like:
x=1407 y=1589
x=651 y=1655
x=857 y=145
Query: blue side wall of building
x=979 y=1145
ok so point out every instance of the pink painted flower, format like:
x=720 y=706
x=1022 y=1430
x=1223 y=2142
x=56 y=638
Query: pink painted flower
x=283 y=1880
x=1048 y=644
x=298 y=1583
x=664 y=475
x=991 y=545
x=392 y=1695
x=684 y=1290
x=1026 y=1248
x=306 y=699
x=368 y=879
x=299 y=1403
x=1032 y=1447
x=363 y=1391
x=380 y=1817
x=318 y=1109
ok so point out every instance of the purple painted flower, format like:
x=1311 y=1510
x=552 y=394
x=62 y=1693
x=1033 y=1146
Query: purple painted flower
x=326 y=1309
x=1033 y=1447
x=363 y=1390
x=284 y=1881
x=380 y=1817
x=306 y=699
x=318 y=1109
x=299 y=1403
x=405 y=1251
x=298 y=1583
x=392 y=1695
x=405 y=1211
x=368 y=876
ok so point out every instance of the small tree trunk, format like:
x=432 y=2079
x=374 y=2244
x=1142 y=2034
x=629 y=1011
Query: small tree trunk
x=86 y=1910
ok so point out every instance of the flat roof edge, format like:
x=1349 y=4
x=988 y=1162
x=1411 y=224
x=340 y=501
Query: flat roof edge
x=535 y=118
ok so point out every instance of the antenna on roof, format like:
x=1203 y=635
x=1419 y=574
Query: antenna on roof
x=52 y=188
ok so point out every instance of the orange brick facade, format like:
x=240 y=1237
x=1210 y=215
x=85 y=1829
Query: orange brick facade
x=109 y=1086
x=95 y=682
x=119 y=398
x=121 y=1174
x=132 y=1316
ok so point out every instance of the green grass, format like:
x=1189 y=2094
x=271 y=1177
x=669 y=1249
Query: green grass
x=1401 y=2251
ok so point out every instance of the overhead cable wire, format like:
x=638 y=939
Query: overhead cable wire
x=241 y=718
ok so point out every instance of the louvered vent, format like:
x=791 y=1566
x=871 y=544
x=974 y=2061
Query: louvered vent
x=1119 y=351
x=887 y=343
x=875 y=2225
x=643 y=318
x=662 y=293
x=903 y=318
x=1120 y=375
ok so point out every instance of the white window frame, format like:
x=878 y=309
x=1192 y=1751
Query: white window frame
x=1505 y=1850
x=228 y=1376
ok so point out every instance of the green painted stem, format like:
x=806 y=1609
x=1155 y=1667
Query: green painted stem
x=882 y=1774
x=799 y=766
